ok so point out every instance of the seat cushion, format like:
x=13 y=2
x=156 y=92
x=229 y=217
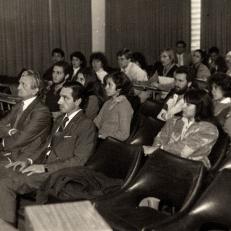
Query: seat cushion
x=131 y=218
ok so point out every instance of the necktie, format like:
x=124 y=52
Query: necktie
x=62 y=125
x=19 y=114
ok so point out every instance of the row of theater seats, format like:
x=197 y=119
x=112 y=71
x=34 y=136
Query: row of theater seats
x=176 y=181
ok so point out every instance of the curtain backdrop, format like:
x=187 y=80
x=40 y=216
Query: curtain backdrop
x=147 y=26
x=215 y=27
x=30 y=29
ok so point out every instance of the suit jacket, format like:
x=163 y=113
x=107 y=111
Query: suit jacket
x=32 y=130
x=186 y=59
x=74 y=146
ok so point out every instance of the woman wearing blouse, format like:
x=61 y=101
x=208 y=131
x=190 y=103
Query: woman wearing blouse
x=190 y=136
x=202 y=72
x=220 y=85
x=115 y=116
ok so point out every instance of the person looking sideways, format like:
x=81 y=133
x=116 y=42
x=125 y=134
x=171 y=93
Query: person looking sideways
x=115 y=116
x=220 y=85
x=191 y=135
x=71 y=143
x=26 y=127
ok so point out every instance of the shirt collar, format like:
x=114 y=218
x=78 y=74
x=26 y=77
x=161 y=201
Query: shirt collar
x=226 y=100
x=27 y=102
x=125 y=70
x=72 y=115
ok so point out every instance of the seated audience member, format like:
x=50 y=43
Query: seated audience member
x=191 y=136
x=166 y=68
x=228 y=63
x=213 y=54
x=59 y=76
x=132 y=70
x=199 y=65
x=98 y=63
x=26 y=127
x=71 y=144
x=78 y=62
x=94 y=93
x=174 y=101
x=182 y=57
x=220 y=85
x=57 y=56
x=115 y=116
x=140 y=60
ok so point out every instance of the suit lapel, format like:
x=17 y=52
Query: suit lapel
x=27 y=112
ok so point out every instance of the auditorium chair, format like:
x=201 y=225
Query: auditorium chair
x=210 y=212
x=175 y=181
x=145 y=132
x=150 y=108
x=219 y=151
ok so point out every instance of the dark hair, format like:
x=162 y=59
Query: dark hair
x=185 y=70
x=64 y=65
x=223 y=81
x=214 y=50
x=78 y=91
x=126 y=52
x=99 y=56
x=203 y=56
x=81 y=57
x=181 y=42
x=59 y=51
x=121 y=81
x=221 y=65
x=92 y=85
x=140 y=58
x=203 y=102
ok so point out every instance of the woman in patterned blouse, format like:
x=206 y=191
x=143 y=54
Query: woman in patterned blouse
x=190 y=136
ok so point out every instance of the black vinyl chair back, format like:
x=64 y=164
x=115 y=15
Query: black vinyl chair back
x=172 y=179
x=147 y=130
x=219 y=150
x=116 y=159
x=210 y=212
x=150 y=108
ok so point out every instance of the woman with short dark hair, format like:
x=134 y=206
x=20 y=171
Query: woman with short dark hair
x=115 y=116
x=191 y=136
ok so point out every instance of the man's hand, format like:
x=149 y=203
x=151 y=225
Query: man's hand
x=21 y=164
x=149 y=150
x=34 y=168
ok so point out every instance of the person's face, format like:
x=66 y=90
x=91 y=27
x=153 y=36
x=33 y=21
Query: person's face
x=58 y=75
x=76 y=62
x=165 y=59
x=217 y=92
x=57 y=57
x=25 y=87
x=181 y=83
x=228 y=59
x=196 y=58
x=81 y=79
x=213 y=56
x=123 y=61
x=66 y=101
x=189 y=110
x=180 y=48
x=110 y=88
x=96 y=64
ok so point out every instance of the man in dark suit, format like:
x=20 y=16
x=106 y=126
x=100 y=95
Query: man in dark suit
x=71 y=144
x=182 y=57
x=27 y=126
